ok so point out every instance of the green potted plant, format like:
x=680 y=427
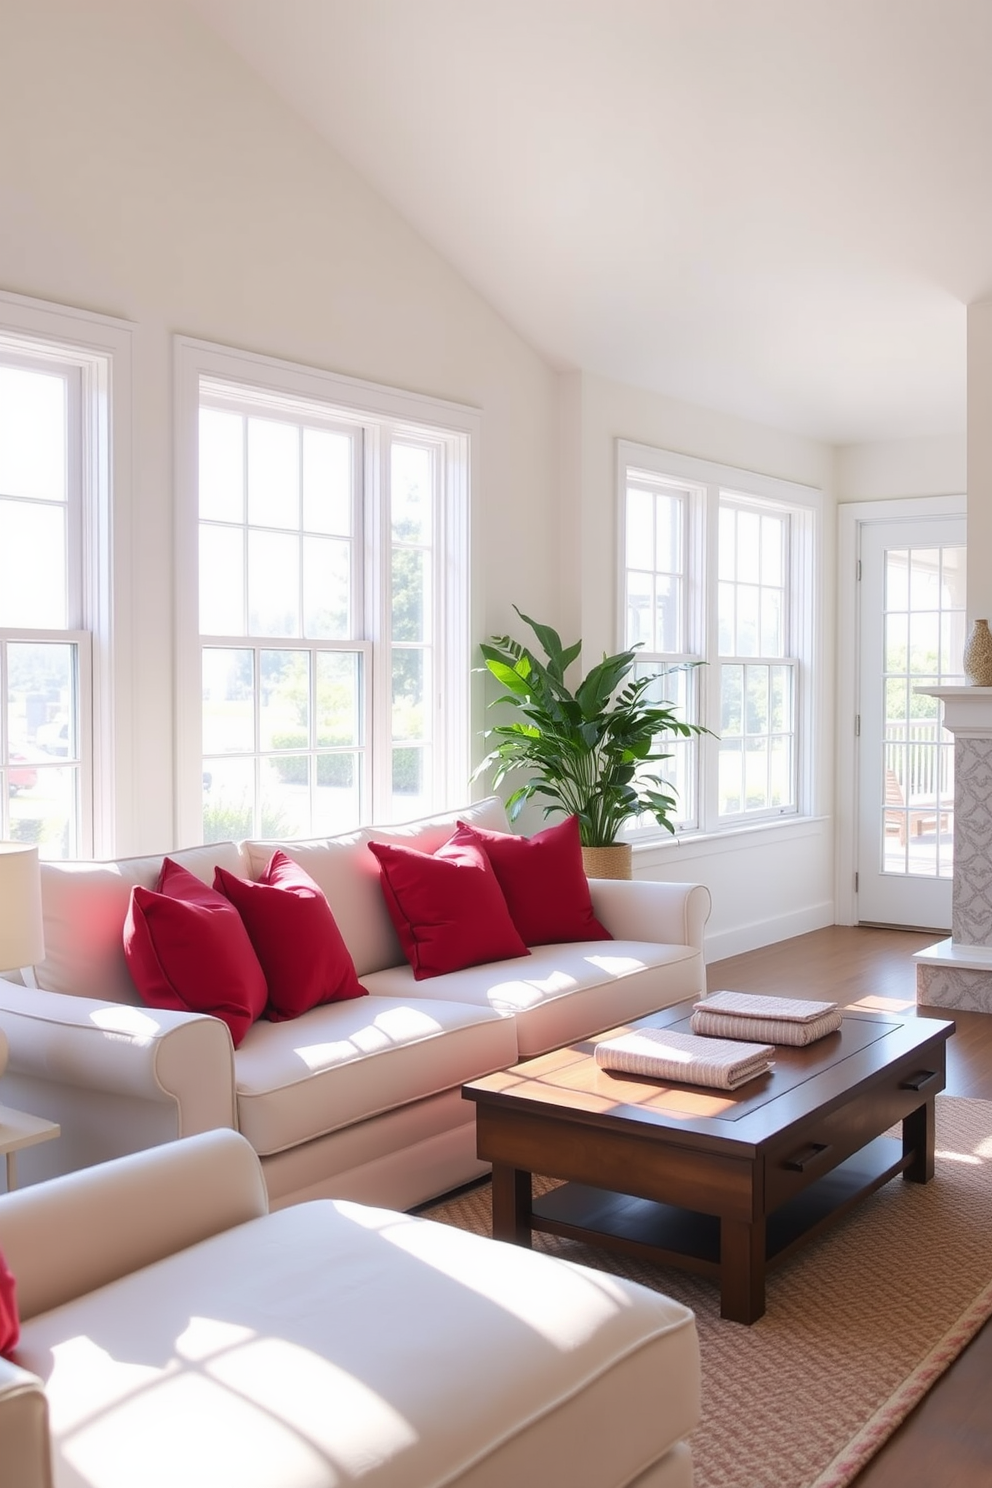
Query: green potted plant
x=588 y=752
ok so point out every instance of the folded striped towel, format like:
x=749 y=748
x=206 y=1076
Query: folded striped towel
x=664 y=1054
x=775 y=1020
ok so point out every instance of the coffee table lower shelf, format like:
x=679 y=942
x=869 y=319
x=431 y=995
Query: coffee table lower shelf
x=669 y=1236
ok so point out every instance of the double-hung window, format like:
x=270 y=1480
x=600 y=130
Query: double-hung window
x=332 y=599
x=661 y=526
x=717 y=568
x=58 y=456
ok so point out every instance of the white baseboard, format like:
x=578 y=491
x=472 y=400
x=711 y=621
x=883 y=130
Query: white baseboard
x=766 y=932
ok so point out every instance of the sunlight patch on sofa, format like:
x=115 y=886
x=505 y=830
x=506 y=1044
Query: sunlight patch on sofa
x=391 y=1029
x=563 y=1307
x=254 y=1410
x=120 y=1018
x=617 y=966
x=319 y=1399
x=206 y=1336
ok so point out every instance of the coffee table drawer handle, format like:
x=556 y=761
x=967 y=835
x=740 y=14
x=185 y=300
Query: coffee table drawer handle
x=917 y=1081
x=800 y=1161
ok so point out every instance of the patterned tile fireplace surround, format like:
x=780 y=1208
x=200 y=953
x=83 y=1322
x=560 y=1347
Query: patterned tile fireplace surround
x=957 y=973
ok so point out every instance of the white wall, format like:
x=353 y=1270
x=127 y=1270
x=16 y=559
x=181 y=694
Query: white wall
x=147 y=173
x=767 y=883
x=893 y=469
x=979 y=458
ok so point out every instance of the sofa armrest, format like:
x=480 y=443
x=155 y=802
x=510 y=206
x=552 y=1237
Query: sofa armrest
x=72 y=1234
x=182 y=1059
x=25 y=1457
x=649 y=909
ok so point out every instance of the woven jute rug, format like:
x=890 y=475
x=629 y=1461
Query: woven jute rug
x=859 y=1324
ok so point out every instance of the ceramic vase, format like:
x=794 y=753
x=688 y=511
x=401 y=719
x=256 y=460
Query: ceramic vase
x=978 y=655
x=615 y=861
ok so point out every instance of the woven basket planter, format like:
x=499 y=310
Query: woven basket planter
x=615 y=861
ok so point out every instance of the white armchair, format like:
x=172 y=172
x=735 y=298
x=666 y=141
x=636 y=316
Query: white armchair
x=176 y=1333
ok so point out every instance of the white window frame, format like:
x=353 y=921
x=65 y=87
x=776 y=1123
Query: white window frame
x=406 y=413
x=100 y=348
x=705 y=482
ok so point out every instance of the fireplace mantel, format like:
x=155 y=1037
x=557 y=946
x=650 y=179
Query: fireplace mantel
x=967 y=710
x=957 y=973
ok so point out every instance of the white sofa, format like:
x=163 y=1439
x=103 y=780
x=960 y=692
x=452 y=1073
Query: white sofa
x=358 y=1099
x=176 y=1335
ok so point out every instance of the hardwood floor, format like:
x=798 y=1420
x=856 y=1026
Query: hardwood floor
x=947 y=1441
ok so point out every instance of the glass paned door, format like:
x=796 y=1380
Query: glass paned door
x=913 y=632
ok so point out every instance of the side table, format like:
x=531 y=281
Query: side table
x=17 y=1130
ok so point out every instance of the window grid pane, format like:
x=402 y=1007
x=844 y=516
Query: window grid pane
x=656 y=519
x=758 y=702
x=923 y=641
x=277 y=528
x=327 y=482
x=221 y=466
x=655 y=523
x=412 y=508
x=34 y=592
x=41 y=761
x=752 y=594
x=42 y=739
x=274 y=597
x=273 y=469
x=757 y=738
x=33 y=434
x=675 y=687
x=285 y=757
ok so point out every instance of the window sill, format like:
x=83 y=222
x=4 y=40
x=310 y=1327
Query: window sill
x=734 y=839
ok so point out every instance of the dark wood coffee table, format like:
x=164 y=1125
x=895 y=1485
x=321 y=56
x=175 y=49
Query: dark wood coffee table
x=723 y=1183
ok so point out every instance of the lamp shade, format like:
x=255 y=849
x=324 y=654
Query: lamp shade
x=22 y=940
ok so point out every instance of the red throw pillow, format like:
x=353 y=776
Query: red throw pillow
x=10 y=1323
x=187 y=949
x=543 y=881
x=295 y=937
x=447 y=907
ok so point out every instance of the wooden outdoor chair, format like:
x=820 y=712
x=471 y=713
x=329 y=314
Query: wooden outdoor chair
x=904 y=818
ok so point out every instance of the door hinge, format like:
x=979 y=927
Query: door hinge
x=857 y=725
x=859 y=571
x=857 y=879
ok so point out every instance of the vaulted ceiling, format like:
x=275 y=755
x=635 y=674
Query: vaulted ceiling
x=776 y=208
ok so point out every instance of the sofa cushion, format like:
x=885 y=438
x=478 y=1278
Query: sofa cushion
x=567 y=992
x=85 y=905
x=378 y=1347
x=188 y=950
x=543 y=881
x=347 y=1061
x=294 y=936
x=349 y=875
x=447 y=907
